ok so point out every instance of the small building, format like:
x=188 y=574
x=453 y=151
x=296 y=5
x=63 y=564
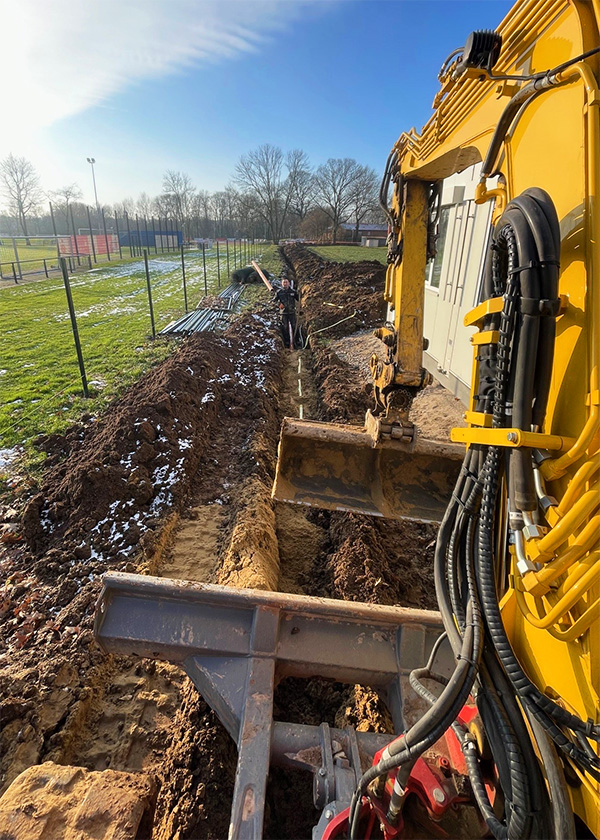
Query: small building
x=366 y=231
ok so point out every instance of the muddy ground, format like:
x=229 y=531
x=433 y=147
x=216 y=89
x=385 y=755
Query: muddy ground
x=174 y=480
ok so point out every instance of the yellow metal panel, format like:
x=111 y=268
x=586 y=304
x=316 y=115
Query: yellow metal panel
x=487 y=337
x=475 y=317
x=478 y=418
x=409 y=283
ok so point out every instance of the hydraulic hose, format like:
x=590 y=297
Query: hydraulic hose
x=470 y=559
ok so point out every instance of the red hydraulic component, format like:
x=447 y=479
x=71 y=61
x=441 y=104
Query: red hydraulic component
x=437 y=781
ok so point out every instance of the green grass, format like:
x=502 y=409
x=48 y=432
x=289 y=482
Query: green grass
x=351 y=253
x=31 y=256
x=40 y=385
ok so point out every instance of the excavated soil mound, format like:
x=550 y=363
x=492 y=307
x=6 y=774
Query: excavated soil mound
x=102 y=505
x=366 y=559
x=332 y=291
x=196 y=435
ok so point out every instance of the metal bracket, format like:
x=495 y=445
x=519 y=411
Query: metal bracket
x=237 y=644
x=511 y=438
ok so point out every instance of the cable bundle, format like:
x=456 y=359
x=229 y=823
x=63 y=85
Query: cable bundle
x=472 y=551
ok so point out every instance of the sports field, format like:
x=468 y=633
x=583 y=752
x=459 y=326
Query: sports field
x=351 y=253
x=40 y=384
x=31 y=257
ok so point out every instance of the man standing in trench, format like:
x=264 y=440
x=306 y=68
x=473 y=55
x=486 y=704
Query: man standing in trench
x=287 y=297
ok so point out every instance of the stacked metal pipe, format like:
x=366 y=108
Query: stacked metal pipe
x=209 y=318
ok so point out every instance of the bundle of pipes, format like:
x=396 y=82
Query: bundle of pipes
x=208 y=318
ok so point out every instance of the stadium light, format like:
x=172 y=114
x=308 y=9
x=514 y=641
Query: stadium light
x=92 y=161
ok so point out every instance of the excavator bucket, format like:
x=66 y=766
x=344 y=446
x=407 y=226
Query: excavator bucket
x=339 y=467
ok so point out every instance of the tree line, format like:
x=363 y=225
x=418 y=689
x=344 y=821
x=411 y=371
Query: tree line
x=272 y=195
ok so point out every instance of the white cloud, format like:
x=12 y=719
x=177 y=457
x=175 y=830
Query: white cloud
x=64 y=56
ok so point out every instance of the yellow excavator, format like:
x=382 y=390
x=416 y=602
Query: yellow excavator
x=502 y=738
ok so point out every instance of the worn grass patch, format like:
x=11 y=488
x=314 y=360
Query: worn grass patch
x=40 y=384
x=351 y=253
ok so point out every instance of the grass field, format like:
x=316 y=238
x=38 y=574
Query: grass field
x=32 y=256
x=351 y=253
x=40 y=385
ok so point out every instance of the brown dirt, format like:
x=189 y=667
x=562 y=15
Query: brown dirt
x=206 y=415
x=175 y=479
x=50 y=802
x=332 y=291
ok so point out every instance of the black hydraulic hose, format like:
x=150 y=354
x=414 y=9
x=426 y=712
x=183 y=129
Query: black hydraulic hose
x=430 y=728
x=563 y=824
x=469 y=749
x=384 y=187
x=541 y=215
x=548 y=713
x=523 y=262
x=440 y=557
x=521 y=98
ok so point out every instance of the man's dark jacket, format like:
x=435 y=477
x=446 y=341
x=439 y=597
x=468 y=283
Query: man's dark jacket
x=288 y=298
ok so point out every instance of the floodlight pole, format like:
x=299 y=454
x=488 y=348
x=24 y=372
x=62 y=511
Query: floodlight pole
x=91 y=162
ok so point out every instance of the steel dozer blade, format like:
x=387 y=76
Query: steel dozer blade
x=339 y=467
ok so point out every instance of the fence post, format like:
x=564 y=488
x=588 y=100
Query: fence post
x=183 y=273
x=105 y=235
x=118 y=236
x=146 y=232
x=65 y=274
x=204 y=264
x=149 y=292
x=74 y=238
x=91 y=234
x=154 y=232
x=54 y=229
x=137 y=225
x=14 y=274
x=218 y=266
x=15 y=249
x=128 y=233
x=45 y=267
x=227 y=241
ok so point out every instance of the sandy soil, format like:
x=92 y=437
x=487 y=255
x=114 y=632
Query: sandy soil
x=175 y=480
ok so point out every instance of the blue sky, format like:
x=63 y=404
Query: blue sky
x=149 y=85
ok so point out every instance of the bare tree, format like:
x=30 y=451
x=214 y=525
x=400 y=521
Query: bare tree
x=335 y=181
x=143 y=205
x=303 y=187
x=64 y=198
x=271 y=177
x=127 y=205
x=315 y=224
x=364 y=196
x=219 y=210
x=21 y=188
x=201 y=206
x=179 y=190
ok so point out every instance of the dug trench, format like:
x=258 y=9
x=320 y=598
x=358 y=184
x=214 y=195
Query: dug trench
x=174 y=480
